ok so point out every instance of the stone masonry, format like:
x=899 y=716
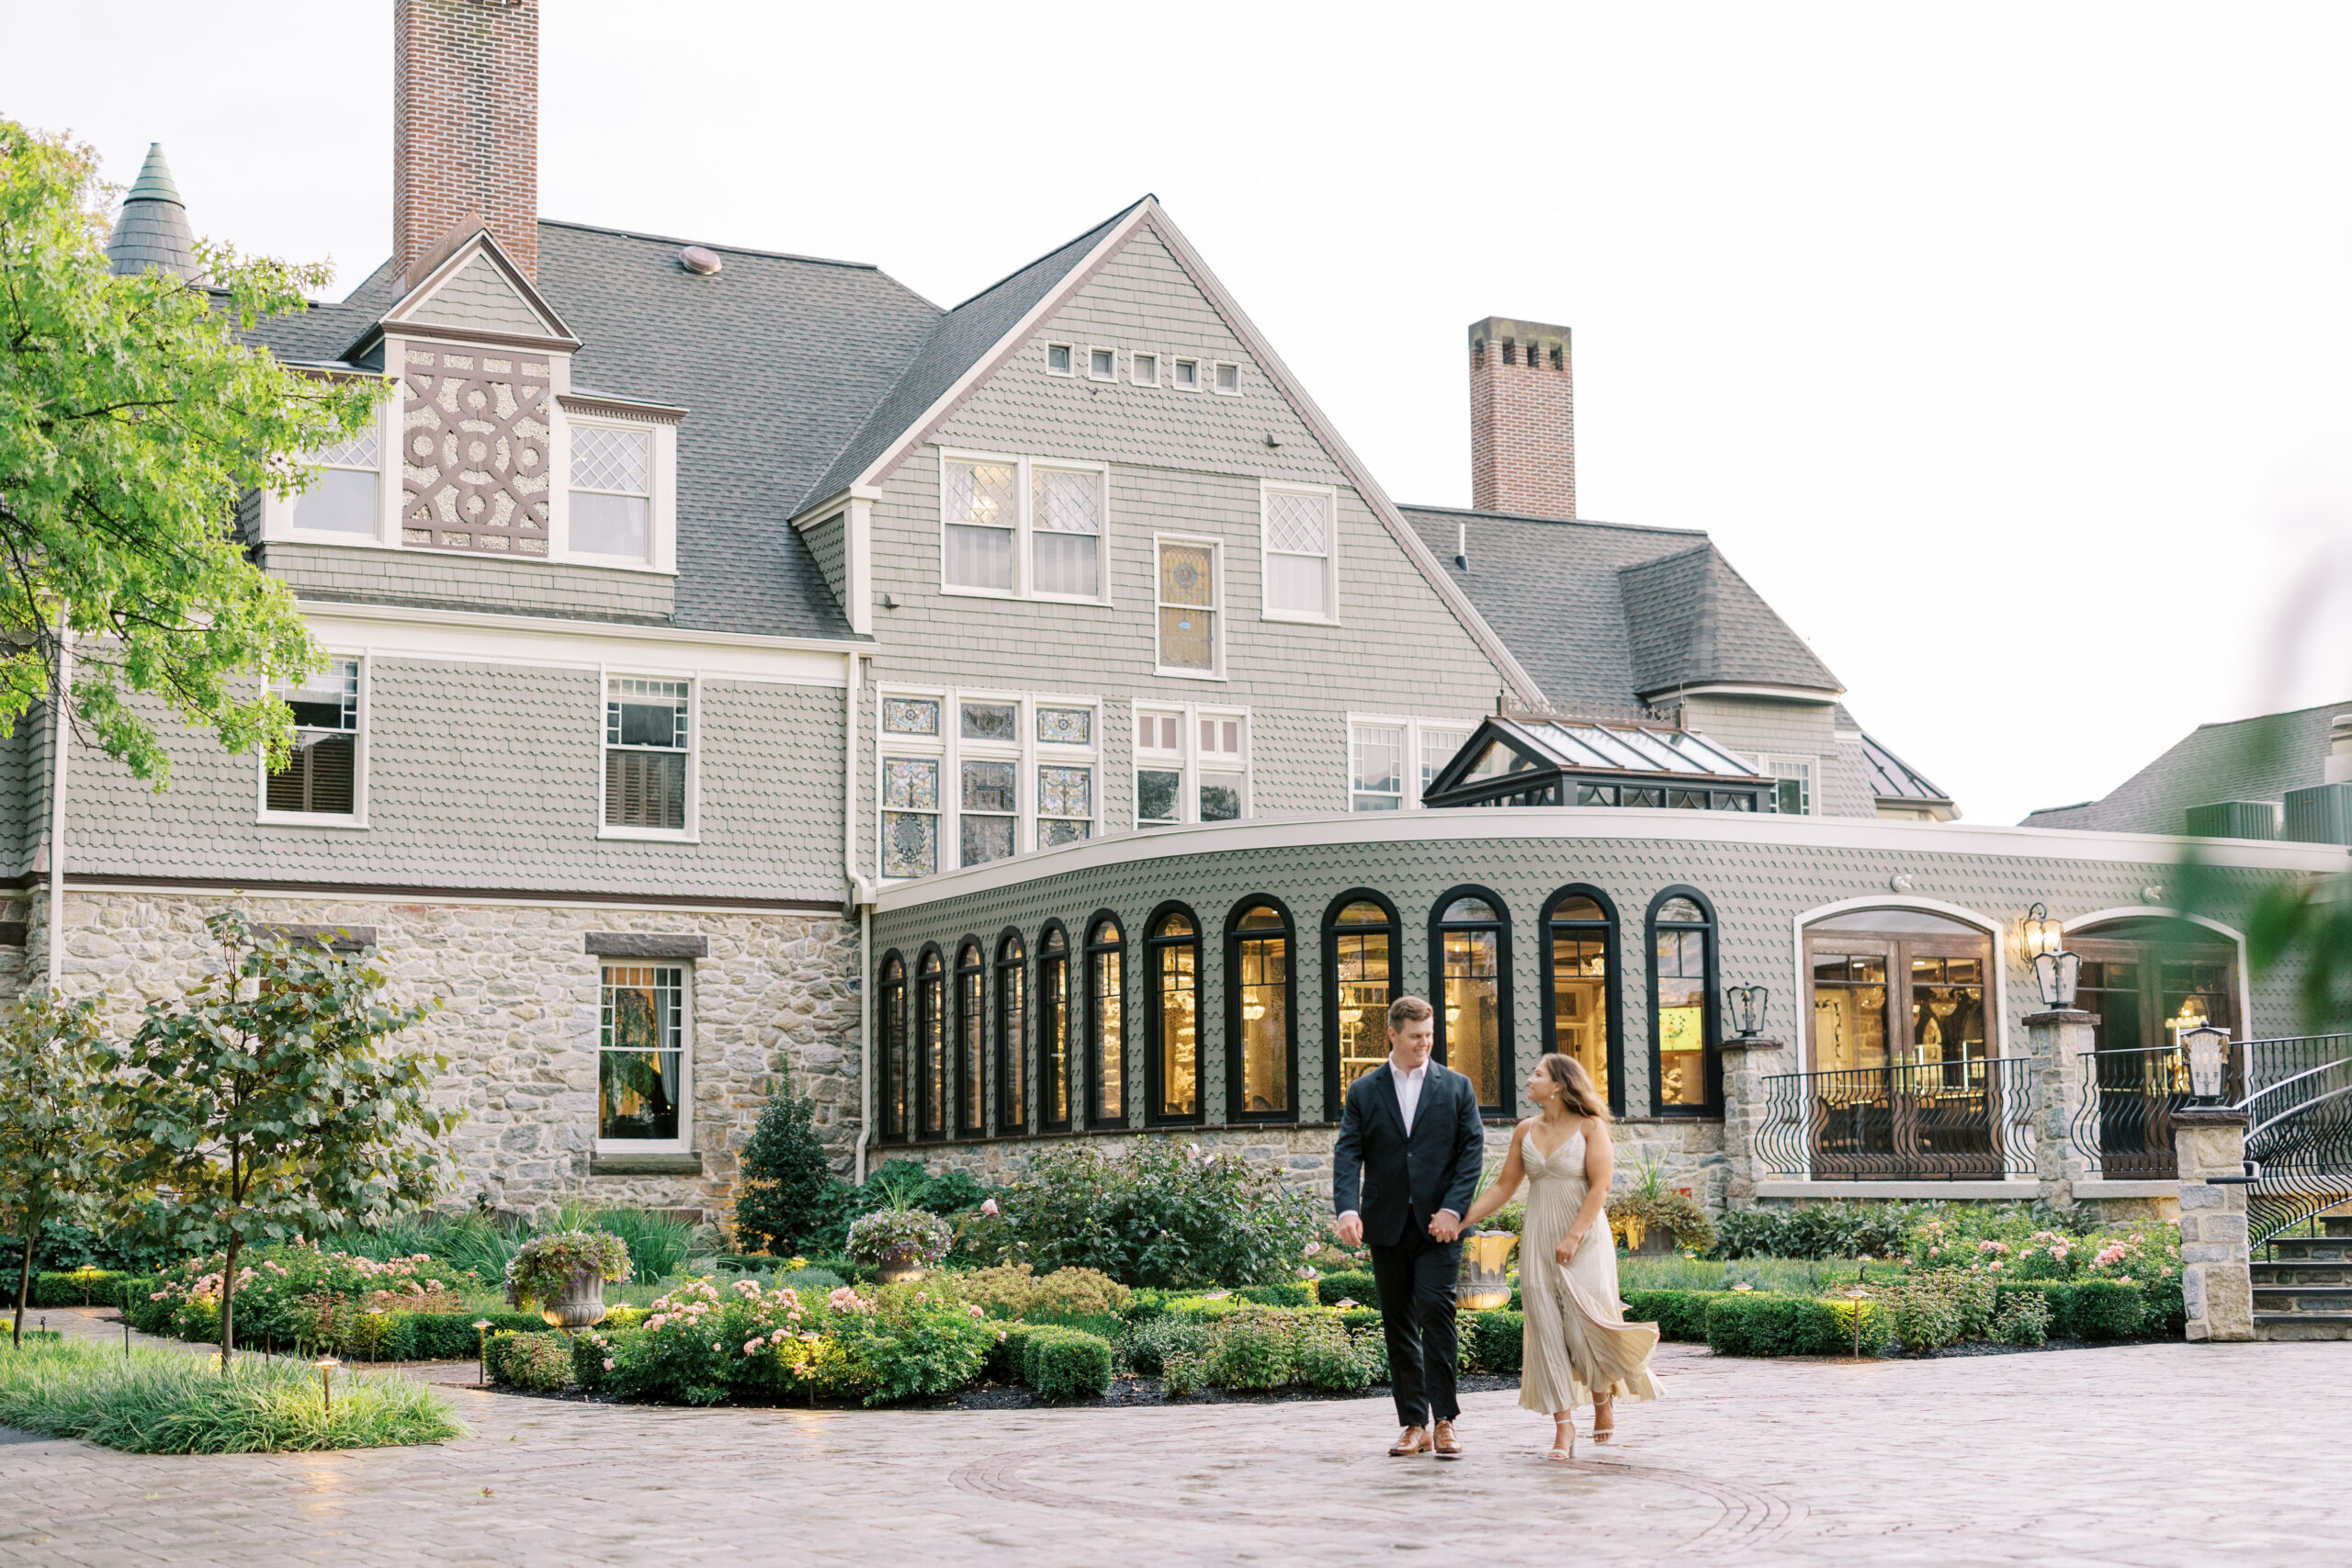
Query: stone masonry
x=2216 y=1280
x=774 y=1000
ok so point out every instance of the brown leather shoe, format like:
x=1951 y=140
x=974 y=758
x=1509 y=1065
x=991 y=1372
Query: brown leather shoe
x=1444 y=1443
x=1411 y=1440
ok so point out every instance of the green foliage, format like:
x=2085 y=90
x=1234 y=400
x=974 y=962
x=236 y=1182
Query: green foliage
x=56 y=1160
x=1493 y=1341
x=1240 y=1345
x=133 y=416
x=659 y=1244
x=1065 y=1364
x=1016 y=1290
x=1940 y=1306
x=1324 y=1356
x=1818 y=1230
x=1650 y=1205
x=1680 y=1314
x=1347 y=1285
x=530 y=1360
x=84 y=1287
x=2106 y=1310
x=2022 y=1318
x=1281 y=1294
x=547 y=1264
x=1001 y=1358
x=165 y=1402
x=787 y=1196
x=1166 y=1215
x=904 y=1341
x=261 y=1107
x=1789 y=1275
x=1146 y=1346
x=1758 y=1323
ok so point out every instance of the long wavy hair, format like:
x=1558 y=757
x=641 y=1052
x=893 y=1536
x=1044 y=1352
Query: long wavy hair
x=1576 y=1092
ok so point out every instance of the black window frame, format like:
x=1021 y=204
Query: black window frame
x=1613 y=1001
x=1507 y=1044
x=892 y=1085
x=1710 y=1012
x=1094 y=1078
x=1334 y=1091
x=1051 y=1004
x=1156 y=941
x=930 y=1054
x=1012 y=1033
x=971 y=1038
x=1235 y=1115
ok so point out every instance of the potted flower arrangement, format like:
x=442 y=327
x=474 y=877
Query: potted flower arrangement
x=565 y=1273
x=1649 y=1216
x=900 y=1243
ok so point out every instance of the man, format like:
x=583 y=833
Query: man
x=1412 y=1134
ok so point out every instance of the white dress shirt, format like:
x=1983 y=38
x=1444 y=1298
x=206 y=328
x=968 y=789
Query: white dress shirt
x=1409 y=1100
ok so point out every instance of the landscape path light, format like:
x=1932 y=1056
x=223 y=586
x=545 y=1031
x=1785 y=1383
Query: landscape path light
x=481 y=1349
x=326 y=1365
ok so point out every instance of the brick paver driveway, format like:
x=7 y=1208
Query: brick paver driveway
x=2142 y=1455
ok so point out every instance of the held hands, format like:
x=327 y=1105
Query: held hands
x=1445 y=1227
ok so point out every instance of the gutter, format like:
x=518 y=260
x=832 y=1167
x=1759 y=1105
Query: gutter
x=862 y=894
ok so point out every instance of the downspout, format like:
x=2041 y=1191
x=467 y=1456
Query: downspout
x=59 y=739
x=861 y=893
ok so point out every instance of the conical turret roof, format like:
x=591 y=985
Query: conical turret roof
x=152 y=232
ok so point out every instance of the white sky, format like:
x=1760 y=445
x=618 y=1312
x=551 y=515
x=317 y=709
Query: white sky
x=2002 y=347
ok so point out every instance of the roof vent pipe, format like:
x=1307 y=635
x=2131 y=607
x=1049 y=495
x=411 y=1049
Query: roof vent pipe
x=1462 y=545
x=700 y=260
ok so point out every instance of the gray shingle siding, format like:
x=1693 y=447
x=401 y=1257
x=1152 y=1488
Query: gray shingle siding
x=449 y=580
x=827 y=546
x=479 y=296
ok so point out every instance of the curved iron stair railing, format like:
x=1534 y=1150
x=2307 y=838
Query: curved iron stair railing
x=2299 y=1147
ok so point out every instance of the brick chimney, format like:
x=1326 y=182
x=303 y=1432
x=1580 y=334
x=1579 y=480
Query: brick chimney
x=465 y=127
x=1522 y=419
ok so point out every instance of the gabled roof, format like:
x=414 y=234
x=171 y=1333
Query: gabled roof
x=2249 y=758
x=152 y=232
x=471 y=285
x=1892 y=778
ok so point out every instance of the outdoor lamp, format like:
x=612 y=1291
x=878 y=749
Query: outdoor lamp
x=481 y=1349
x=326 y=1365
x=2209 y=1057
x=2056 y=974
x=1749 y=1002
x=2042 y=934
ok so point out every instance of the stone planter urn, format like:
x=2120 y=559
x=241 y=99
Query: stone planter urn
x=1483 y=1285
x=581 y=1304
x=901 y=1266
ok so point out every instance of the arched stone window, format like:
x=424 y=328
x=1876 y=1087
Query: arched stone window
x=1011 y=1034
x=971 y=1031
x=1581 y=1017
x=1685 y=1079
x=1261 y=1021
x=1173 y=1016
x=1052 y=1029
x=931 y=1045
x=1470 y=957
x=894 y=1047
x=1359 y=972
x=1106 y=1022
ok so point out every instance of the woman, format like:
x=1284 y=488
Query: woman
x=1577 y=1346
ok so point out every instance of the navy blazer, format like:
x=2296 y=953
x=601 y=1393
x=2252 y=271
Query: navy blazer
x=1405 y=1180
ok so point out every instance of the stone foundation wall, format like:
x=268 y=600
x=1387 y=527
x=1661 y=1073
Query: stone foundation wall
x=520 y=999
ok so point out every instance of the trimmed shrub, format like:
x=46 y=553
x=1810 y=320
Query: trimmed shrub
x=786 y=1197
x=1017 y=1290
x=1942 y=1307
x=1357 y=1320
x=1281 y=1294
x=1324 y=1356
x=1148 y=1345
x=1066 y=1363
x=1756 y=1322
x=89 y=1287
x=2022 y=1318
x=1348 y=1284
x=2106 y=1310
x=1821 y=1230
x=530 y=1360
x=1493 y=1341
x=1253 y=1351
x=1680 y=1316
x=2057 y=1301
x=1003 y=1358
x=595 y=1357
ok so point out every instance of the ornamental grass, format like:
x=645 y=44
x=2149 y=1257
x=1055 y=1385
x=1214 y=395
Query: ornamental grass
x=163 y=1402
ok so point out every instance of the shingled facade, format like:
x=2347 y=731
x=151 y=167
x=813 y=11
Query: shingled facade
x=1002 y=722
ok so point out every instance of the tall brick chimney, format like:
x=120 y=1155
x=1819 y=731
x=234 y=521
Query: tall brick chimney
x=1522 y=419
x=465 y=125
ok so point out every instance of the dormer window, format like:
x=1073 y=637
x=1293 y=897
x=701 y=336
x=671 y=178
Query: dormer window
x=612 y=492
x=343 y=499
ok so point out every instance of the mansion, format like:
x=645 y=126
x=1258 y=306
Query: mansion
x=1030 y=720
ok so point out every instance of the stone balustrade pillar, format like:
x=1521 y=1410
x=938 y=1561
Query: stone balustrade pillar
x=2055 y=1042
x=2217 y=1277
x=1745 y=1059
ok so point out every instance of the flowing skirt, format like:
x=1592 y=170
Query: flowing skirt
x=1577 y=1342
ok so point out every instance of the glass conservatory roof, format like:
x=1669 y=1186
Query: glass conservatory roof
x=1596 y=747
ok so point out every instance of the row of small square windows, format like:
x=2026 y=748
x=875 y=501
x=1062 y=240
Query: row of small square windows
x=1143 y=368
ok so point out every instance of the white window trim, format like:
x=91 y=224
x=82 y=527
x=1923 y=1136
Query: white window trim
x=1266 y=611
x=661 y=512
x=1216 y=365
x=1421 y=737
x=692 y=832
x=1767 y=761
x=1174 y=382
x=684 y=1142
x=1070 y=349
x=1188 y=760
x=278 y=511
x=1024 y=566
x=358 y=817
x=1135 y=367
x=953 y=750
x=1218 y=606
x=1092 y=350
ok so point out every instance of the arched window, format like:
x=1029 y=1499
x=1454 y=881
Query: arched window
x=1580 y=1005
x=970 y=1030
x=1360 y=960
x=1685 y=1079
x=931 y=1045
x=1260 y=1024
x=894 y=1047
x=1173 y=1016
x=1011 y=1034
x=1470 y=950
x=1052 y=1029
x=1106 y=1018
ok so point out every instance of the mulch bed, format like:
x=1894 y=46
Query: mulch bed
x=1126 y=1390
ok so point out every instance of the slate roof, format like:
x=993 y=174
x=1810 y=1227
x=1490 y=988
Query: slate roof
x=153 y=231
x=1607 y=613
x=2248 y=759
x=781 y=361
x=1893 y=778
x=956 y=343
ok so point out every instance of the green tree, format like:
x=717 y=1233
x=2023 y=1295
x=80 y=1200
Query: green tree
x=787 y=1193
x=133 y=417
x=56 y=1160
x=262 y=1109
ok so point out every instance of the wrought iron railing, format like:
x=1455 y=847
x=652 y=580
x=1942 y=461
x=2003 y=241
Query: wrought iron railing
x=2125 y=1120
x=1958 y=1121
x=2299 y=1143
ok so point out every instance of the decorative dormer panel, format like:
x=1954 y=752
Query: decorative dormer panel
x=475 y=449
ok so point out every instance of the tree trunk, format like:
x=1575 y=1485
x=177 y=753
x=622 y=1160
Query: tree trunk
x=25 y=1272
x=228 y=1303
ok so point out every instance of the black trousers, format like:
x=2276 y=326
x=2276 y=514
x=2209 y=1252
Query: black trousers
x=1416 y=1280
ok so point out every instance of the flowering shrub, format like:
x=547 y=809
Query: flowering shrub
x=903 y=1340
x=699 y=1345
x=1017 y=1290
x=897 y=1237
x=529 y=1360
x=546 y=1266
x=298 y=1294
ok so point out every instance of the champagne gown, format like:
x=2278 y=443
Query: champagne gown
x=1577 y=1342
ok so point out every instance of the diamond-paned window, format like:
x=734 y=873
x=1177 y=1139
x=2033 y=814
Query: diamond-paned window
x=1065 y=523
x=342 y=498
x=611 y=490
x=978 y=505
x=1066 y=727
x=360 y=451
x=617 y=460
x=1298 y=553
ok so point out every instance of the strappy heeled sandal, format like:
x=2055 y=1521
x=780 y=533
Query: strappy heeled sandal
x=1411 y=1440
x=1562 y=1426
x=1604 y=1419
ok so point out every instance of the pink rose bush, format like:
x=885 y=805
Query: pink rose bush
x=298 y=1294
